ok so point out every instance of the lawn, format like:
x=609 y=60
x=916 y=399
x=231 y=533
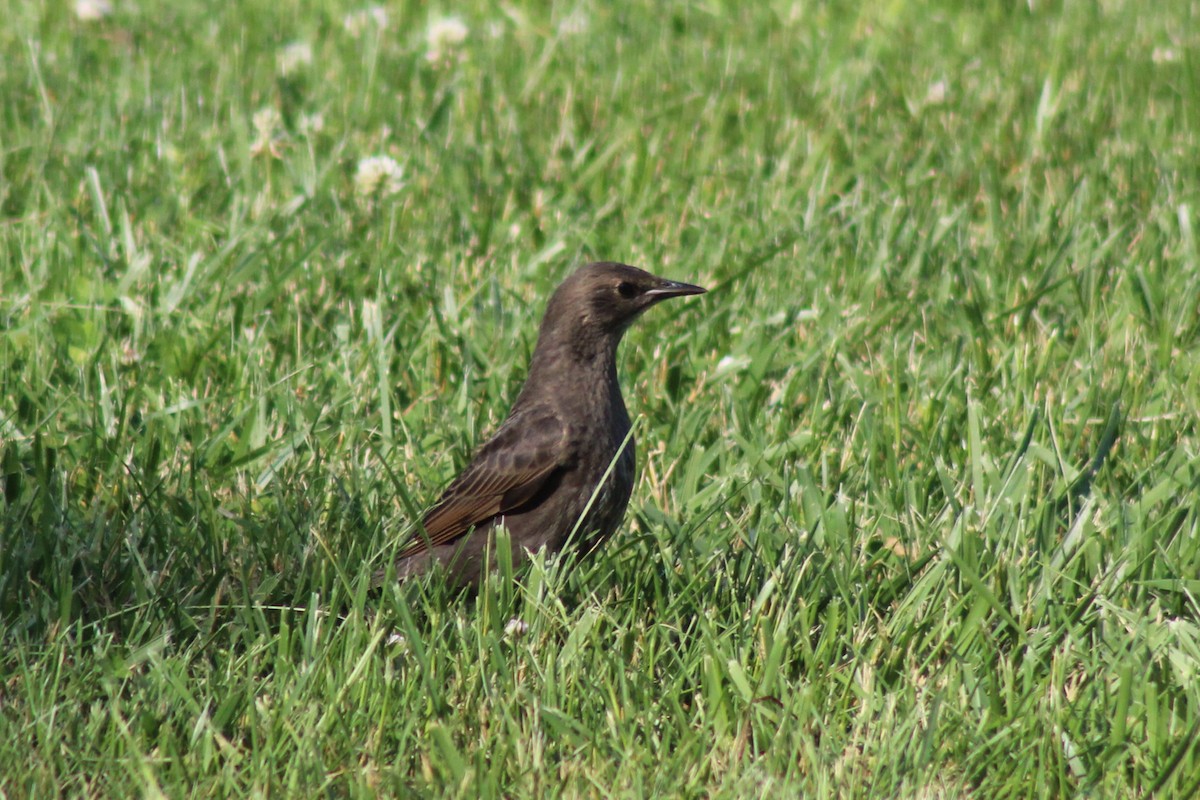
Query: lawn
x=918 y=506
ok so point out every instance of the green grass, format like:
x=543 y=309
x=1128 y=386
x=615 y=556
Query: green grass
x=951 y=251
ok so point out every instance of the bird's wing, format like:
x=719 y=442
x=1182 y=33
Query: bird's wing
x=505 y=473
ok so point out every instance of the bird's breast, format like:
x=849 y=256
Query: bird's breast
x=606 y=473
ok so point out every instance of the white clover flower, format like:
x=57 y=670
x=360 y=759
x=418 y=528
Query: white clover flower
x=92 y=10
x=1164 y=55
x=935 y=95
x=378 y=176
x=443 y=36
x=516 y=628
x=356 y=23
x=309 y=124
x=293 y=57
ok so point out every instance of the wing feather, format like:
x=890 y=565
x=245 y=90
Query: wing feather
x=504 y=474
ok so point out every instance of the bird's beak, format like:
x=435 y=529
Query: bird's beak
x=672 y=289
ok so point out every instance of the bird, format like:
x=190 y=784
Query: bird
x=561 y=466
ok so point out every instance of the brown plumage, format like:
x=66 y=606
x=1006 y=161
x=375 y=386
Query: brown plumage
x=539 y=473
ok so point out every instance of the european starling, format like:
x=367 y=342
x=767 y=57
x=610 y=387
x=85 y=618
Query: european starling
x=563 y=460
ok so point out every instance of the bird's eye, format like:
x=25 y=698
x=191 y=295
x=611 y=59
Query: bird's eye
x=627 y=289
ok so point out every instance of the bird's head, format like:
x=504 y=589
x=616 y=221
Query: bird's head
x=605 y=298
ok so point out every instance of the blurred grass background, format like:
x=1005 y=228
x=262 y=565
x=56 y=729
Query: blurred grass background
x=917 y=513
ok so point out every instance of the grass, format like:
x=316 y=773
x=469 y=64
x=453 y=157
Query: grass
x=918 y=512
